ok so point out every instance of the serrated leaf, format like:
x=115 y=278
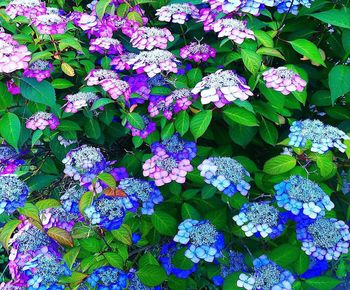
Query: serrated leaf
x=7 y=231
x=251 y=60
x=135 y=17
x=107 y=179
x=302 y=263
x=194 y=76
x=101 y=7
x=200 y=123
x=339 y=81
x=47 y=203
x=71 y=256
x=10 y=129
x=335 y=17
x=285 y=254
x=308 y=49
x=101 y=103
x=151 y=275
x=61 y=236
x=279 y=164
x=240 y=116
x=270 y=52
x=123 y=234
x=268 y=132
x=136 y=120
x=85 y=201
x=67 y=69
x=164 y=223
x=61 y=84
x=30 y=210
x=39 y=92
x=323 y=283
x=115 y=260
x=182 y=122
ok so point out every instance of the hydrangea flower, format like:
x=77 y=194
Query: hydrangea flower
x=154 y=62
x=322 y=137
x=149 y=128
x=26 y=8
x=226 y=174
x=71 y=197
x=151 y=37
x=138 y=85
x=222 y=87
x=302 y=196
x=116 y=88
x=122 y=62
x=324 y=238
x=84 y=163
x=84 y=21
x=198 y=52
x=45 y=271
x=204 y=242
x=13 y=56
x=247 y=6
x=234 y=262
x=58 y=217
x=39 y=69
x=207 y=16
x=13 y=193
x=236 y=30
x=166 y=255
x=95 y=76
x=79 y=100
x=41 y=120
x=108 y=278
x=267 y=275
x=255 y=6
x=165 y=169
x=146 y=192
x=289 y=6
x=65 y=142
x=316 y=268
x=283 y=80
x=106 y=45
x=9 y=160
x=51 y=23
x=177 y=13
x=178 y=100
x=12 y=87
x=260 y=219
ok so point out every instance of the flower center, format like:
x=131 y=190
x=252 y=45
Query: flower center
x=266 y=277
x=324 y=233
x=203 y=234
x=304 y=189
x=263 y=214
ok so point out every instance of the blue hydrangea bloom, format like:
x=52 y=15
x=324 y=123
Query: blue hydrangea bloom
x=260 y=219
x=71 y=197
x=203 y=240
x=267 y=275
x=302 y=196
x=13 y=193
x=234 y=262
x=145 y=191
x=226 y=174
x=255 y=6
x=176 y=147
x=284 y=6
x=165 y=257
x=323 y=238
x=136 y=284
x=346 y=185
x=322 y=137
x=108 y=278
x=316 y=268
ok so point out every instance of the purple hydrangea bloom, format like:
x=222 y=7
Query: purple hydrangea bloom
x=41 y=120
x=236 y=30
x=9 y=160
x=106 y=45
x=150 y=37
x=198 y=52
x=26 y=8
x=149 y=128
x=177 y=12
x=39 y=70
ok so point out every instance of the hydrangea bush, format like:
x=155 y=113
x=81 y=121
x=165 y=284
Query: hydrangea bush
x=174 y=144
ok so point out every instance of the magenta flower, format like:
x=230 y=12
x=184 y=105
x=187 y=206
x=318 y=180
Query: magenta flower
x=50 y=23
x=207 y=16
x=41 y=120
x=283 y=80
x=58 y=218
x=165 y=169
x=130 y=27
x=12 y=87
x=27 y=8
x=84 y=21
x=177 y=13
x=116 y=88
x=151 y=37
x=95 y=76
x=12 y=55
x=79 y=100
x=234 y=29
x=40 y=69
x=197 y=52
x=106 y=45
x=121 y=62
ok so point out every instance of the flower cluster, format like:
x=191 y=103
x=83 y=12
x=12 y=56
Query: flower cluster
x=95 y=76
x=322 y=137
x=146 y=192
x=198 y=52
x=166 y=257
x=116 y=88
x=177 y=13
x=233 y=262
x=26 y=8
x=13 y=56
x=50 y=23
x=106 y=45
x=78 y=101
x=148 y=128
x=204 y=242
x=222 y=87
x=302 y=196
x=39 y=69
x=260 y=219
x=283 y=80
x=65 y=142
x=71 y=197
x=267 y=275
x=290 y=6
x=226 y=174
x=178 y=100
x=57 y=217
x=236 y=30
x=106 y=278
x=123 y=61
x=41 y=120
x=324 y=238
x=8 y=160
x=13 y=193
x=151 y=37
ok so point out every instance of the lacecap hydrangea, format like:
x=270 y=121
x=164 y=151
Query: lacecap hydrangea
x=9 y=160
x=302 y=196
x=108 y=278
x=202 y=239
x=226 y=174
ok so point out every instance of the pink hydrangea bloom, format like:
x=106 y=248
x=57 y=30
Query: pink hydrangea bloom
x=177 y=13
x=26 y=8
x=283 y=80
x=12 y=87
x=95 y=76
x=197 y=52
x=39 y=69
x=79 y=100
x=234 y=29
x=51 y=23
x=151 y=37
x=121 y=62
x=130 y=27
x=41 y=120
x=116 y=88
x=106 y=45
x=207 y=16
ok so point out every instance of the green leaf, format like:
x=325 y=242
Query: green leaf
x=123 y=234
x=200 y=123
x=302 y=263
x=114 y=259
x=108 y=179
x=240 y=116
x=41 y=55
x=67 y=126
x=39 y=92
x=122 y=10
x=321 y=98
x=136 y=120
x=230 y=282
x=93 y=129
x=182 y=122
x=101 y=103
x=61 y=84
x=71 y=256
x=308 y=49
x=268 y=132
x=135 y=17
x=339 y=81
x=69 y=42
x=279 y=164
x=168 y=131
x=265 y=39
x=6 y=97
x=75 y=278
x=189 y=212
x=85 y=201
x=252 y=60
x=151 y=275
x=242 y=135
x=92 y=244
x=322 y=283
x=164 y=223
x=36 y=136
x=161 y=91
x=335 y=17
x=7 y=231
x=101 y=7
x=61 y=236
x=285 y=254
x=10 y=129
x=180 y=261
x=30 y=210
x=270 y=52
x=194 y=76
x=47 y=203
